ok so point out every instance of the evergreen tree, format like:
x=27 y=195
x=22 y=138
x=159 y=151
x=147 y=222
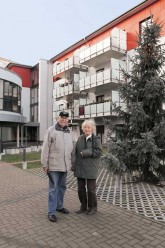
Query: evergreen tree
x=140 y=140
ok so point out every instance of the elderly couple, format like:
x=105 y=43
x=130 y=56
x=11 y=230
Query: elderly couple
x=60 y=154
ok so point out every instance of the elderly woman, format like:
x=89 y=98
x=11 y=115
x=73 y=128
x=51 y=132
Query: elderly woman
x=85 y=159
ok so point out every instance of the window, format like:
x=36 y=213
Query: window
x=100 y=132
x=145 y=23
x=34 y=113
x=10 y=96
x=34 y=95
x=8 y=89
x=15 y=93
x=34 y=76
x=100 y=98
x=58 y=66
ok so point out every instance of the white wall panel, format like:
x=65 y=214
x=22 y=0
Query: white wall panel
x=26 y=102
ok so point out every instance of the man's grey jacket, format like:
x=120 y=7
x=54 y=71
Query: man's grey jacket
x=57 y=148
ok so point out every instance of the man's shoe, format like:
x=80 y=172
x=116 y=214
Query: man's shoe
x=52 y=218
x=91 y=211
x=81 y=210
x=63 y=210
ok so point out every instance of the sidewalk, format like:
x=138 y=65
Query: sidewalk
x=24 y=223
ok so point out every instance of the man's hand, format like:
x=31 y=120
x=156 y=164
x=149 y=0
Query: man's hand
x=45 y=169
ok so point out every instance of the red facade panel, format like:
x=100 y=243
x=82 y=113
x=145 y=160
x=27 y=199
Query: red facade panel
x=24 y=73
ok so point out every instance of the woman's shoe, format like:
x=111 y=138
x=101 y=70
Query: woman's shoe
x=81 y=210
x=91 y=211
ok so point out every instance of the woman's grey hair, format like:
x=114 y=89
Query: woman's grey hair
x=90 y=123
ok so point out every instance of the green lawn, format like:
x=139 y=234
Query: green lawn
x=30 y=165
x=13 y=158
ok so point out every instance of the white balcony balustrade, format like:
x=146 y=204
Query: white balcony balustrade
x=72 y=62
x=114 y=74
x=63 y=87
x=115 y=45
x=99 y=109
x=56 y=112
x=73 y=113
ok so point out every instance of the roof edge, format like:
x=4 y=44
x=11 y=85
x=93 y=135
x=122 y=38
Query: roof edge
x=111 y=24
x=18 y=65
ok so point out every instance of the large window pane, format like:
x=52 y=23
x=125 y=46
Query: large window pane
x=10 y=96
x=34 y=95
x=15 y=93
x=7 y=103
x=8 y=89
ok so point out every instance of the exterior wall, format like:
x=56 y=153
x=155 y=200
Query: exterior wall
x=107 y=62
x=8 y=134
x=26 y=103
x=45 y=96
x=24 y=73
x=10 y=76
x=130 y=25
x=9 y=120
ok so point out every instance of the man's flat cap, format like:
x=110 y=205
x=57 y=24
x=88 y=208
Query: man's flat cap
x=64 y=113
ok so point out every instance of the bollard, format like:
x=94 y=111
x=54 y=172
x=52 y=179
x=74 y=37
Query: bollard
x=24 y=164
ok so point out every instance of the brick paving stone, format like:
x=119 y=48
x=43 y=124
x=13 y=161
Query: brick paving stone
x=115 y=246
x=126 y=245
x=24 y=196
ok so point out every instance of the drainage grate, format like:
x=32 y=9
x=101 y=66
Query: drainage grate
x=143 y=198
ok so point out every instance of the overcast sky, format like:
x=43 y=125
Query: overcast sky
x=34 y=29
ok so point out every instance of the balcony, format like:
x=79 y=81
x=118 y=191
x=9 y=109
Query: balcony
x=73 y=114
x=68 y=64
x=99 y=109
x=63 y=87
x=106 y=77
x=111 y=47
x=63 y=105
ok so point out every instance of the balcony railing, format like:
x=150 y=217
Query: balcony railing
x=87 y=111
x=99 y=109
x=116 y=42
x=104 y=77
x=63 y=88
x=73 y=114
x=71 y=62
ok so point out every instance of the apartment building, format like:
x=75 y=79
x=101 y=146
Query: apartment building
x=11 y=118
x=36 y=98
x=86 y=75
x=83 y=79
x=25 y=102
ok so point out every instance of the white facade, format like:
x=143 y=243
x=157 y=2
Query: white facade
x=45 y=96
x=10 y=76
x=87 y=85
x=26 y=102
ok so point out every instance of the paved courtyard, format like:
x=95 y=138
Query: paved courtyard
x=24 y=223
x=142 y=198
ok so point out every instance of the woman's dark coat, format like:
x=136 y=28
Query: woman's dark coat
x=86 y=165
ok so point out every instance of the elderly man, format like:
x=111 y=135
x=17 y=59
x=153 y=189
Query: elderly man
x=56 y=161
